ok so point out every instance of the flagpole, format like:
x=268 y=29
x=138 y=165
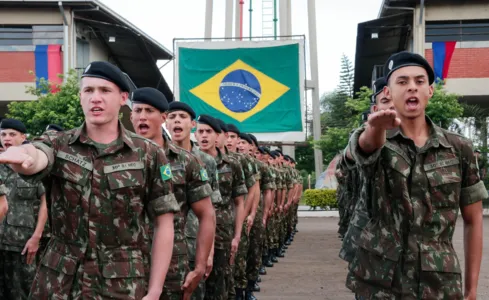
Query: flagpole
x=208 y=19
x=316 y=121
x=228 y=29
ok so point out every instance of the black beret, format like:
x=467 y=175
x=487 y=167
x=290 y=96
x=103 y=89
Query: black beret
x=107 y=71
x=26 y=142
x=13 y=124
x=177 y=105
x=378 y=87
x=208 y=120
x=233 y=128
x=274 y=154
x=262 y=150
x=267 y=151
x=245 y=137
x=223 y=125
x=406 y=59
x=286 y=157
x=54 y=127
x=150 y=96
x=254 y=139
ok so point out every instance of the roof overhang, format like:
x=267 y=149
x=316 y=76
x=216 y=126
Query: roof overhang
x=393 y=34
x=135 y=52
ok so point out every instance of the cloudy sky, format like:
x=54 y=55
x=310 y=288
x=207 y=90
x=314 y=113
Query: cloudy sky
x=337 y=22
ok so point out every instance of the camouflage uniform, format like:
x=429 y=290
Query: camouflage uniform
x=270 y=222
x=231 y=185
x=100 y=197
x=16 y=229
x=190 y=185
x=238 y=280
x=192 y=227
x=257 y=233
x=406 y=251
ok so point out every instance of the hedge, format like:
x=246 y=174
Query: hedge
x=323 y=198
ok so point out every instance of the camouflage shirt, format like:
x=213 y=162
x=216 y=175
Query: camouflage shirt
x=248 y=166
x=192 y=227
x=100 y=197
x=23 y=199
x=266 y=183
x=406 y=250
x=231 y=185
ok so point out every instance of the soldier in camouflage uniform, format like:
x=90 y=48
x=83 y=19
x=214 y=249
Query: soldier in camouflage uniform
x=269 y=215
x=21 y=230
x=238 y=280
x=257 y=233
x=105 y=181
x=3 y=201
x=180 y=121
x=191 y=189
x=287 y=186
x=229 y=215
x=280 y=193
x=424 y=175
x=361 y=212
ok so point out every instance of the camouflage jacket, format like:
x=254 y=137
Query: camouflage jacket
x=192 y=227
x=266 y=183
x=248 y=166
x=24 y=200
x=101 y=195
x=405 y=250
x=231 y=185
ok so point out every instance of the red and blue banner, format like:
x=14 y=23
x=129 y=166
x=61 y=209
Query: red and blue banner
x=442 y=56
x=49 y=63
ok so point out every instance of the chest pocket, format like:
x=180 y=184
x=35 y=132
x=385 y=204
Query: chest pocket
x=74 y=172
x=26 y=191
x=225 y=179
x=444 y=177
x=178 y=174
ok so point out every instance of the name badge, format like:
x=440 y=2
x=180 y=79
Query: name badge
x=136 y=165
x=76 y=160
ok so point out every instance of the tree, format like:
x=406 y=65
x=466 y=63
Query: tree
x=59 y=105
x=335 y=113
x=443 y=108
x=305 y=156
x=347 y=75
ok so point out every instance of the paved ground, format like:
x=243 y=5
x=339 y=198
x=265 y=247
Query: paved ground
x=312 y=270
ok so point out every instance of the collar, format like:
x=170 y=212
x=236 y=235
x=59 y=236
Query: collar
x=169 y=146
x=81 y=135
x=436 y=135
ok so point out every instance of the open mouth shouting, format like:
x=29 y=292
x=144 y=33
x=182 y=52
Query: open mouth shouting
x=96 y=111
x=412 y=104
x=143 y=128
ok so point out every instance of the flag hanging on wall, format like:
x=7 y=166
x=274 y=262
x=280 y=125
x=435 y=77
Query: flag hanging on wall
x=48 y=63
x=257 y=86
x=442 y=56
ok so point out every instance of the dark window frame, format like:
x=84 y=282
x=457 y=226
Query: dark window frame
x=458 y=30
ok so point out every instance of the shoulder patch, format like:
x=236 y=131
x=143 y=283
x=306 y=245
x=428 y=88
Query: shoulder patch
x=165 y=172
x=203 y=175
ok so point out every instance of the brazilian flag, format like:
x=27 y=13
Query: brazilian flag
x=257 y=88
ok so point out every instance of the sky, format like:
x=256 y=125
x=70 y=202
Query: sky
x=336 y=26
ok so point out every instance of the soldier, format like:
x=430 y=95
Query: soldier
x=191 y=189
x=3 y=200
x=257 y=233
x=105 y=180
x=238 y=280
x=180 y=121
x=424 y=175
x=269 y=213
x=362 y=210
x=21 y=230
x=229 y=222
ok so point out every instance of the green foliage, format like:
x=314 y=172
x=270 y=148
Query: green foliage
x=443 y=108
x=335 y=113
x=304 y=156
x=62 y=108
x=322 y=198
x=333 y=141
x=347 y=76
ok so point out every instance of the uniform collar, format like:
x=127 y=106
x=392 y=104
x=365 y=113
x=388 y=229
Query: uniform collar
x=436 y=135
x=124 y=134
x=169 y=146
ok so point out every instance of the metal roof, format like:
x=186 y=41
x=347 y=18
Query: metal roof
x=134 y=52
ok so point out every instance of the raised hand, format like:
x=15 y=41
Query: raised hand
x=384 y=119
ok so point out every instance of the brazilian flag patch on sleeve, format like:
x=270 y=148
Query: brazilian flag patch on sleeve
x=165 y=172
x=203 y=175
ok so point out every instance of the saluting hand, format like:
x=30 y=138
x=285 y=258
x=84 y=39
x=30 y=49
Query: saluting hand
x=384 y=119
x=16 y=156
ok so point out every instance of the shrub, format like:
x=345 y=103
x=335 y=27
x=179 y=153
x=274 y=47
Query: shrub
x=323 y=198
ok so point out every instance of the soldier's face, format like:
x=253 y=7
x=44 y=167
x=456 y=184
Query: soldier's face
x=11 y=137
x=206 y=137
x=232 y=141
x=244 y=146
x=179 y=124
x=382 y=103
x=101 y=101
x=221 y=139
x=147 y=120
x=410 y=91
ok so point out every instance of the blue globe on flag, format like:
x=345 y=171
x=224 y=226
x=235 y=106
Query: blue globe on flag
x=240 y=91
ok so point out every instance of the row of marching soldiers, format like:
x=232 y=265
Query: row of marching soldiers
x=101 y=212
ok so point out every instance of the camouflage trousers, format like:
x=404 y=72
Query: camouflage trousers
x=15 y=276
x=274 y=234
x=240 y=280
x=255 y=249
x=281 y=229
x=217 y=286
x=175 y=277
x=296 y=215
x=43 y=243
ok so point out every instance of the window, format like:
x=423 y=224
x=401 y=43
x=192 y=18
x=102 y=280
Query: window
x=82 y=55
x=464 y=30
x=15 y=35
